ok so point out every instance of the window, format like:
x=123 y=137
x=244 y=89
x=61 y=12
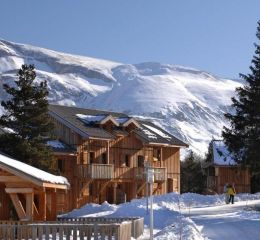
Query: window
x=104 y=158
x=61 y=165
x=91 y=157
x=140 y=161
x=127 y=160
x=156 y=154
x=90 y=189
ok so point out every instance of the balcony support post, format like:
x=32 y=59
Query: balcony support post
x=161 y=156
x=114 y=192
x=108 y=160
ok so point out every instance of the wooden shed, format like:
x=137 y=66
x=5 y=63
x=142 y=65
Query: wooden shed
x=222 y=169
x=29 y=193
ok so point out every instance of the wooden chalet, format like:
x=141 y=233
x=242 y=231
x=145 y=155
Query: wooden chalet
x=103 y=154
x=35 y=194
x=223 y=169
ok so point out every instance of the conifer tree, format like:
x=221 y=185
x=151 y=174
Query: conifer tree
x=192 y=179
x=243 y=136
x=26 y=114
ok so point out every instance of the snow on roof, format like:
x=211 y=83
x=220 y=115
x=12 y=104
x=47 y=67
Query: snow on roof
x=32 y=171
x=149 y=134
x=122 y=120
x=8 y=130
x=56 y=144
x=157 y=131
x=221 y=155
x=91 y=118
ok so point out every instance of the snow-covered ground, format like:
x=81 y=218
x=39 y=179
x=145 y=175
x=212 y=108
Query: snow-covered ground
x=189 y=216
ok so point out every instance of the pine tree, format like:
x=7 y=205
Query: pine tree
x=243 y=136
x=192 y=179
x=26 y=115
x=209 y=154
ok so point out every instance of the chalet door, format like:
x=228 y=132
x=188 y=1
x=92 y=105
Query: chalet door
x=169 y=185
x=109 y=194
x=104 y=158
x=91 y=157
x=140 y=161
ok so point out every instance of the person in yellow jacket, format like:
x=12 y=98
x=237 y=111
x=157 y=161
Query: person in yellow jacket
x=231 y=192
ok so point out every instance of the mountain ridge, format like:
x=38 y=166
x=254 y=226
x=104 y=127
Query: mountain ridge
x=187 y=102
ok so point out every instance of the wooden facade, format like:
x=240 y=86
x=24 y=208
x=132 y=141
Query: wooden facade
x=218 y=176
x=112 y=169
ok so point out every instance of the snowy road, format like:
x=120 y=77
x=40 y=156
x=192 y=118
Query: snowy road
x=227 y=222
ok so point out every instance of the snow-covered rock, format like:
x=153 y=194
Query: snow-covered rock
x=186 y=102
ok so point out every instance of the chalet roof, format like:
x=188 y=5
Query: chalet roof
x=153 y=134
x=69 y=117
x=35 y=175
x=84 y=122
x=221 y=155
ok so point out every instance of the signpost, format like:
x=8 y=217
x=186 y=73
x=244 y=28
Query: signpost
x=149 y=171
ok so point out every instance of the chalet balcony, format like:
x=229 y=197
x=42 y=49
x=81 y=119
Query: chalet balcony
x=137 y=173
x=124 y=173
x=95 y=171
x=160 y=174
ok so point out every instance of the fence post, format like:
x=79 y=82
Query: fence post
x=34 y=232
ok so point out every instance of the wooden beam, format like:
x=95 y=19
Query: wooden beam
x=85 y=185
x=29 y=206
x=11 y=179
x=55 y=186
x=19 y=190
x=161 y=153
x=18 y=206
x=108 y=157
x=140 y=188
x=35 y=210
x=103 y=187
x=53 y=205
x=157 y=188
x=114 y=193
x=42 y=205
x=22 y=185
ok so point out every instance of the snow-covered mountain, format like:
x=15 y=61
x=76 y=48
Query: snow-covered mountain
x=187 y=102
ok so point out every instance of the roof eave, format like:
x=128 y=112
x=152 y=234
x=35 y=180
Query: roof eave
x=30 y=178
x=167 y=144
x=68 y=124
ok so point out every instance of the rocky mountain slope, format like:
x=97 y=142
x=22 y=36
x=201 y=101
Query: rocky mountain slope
x=187 y=102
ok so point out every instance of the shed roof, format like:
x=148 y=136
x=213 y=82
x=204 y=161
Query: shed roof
x=30 y=173
x=221 y=155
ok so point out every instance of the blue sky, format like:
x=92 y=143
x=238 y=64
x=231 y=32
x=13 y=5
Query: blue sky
x=215 y=36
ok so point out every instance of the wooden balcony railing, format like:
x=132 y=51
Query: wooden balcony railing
x=95 y=171
x=159 y=174
x=124 y=173
x=107 y=171
x=137 y=173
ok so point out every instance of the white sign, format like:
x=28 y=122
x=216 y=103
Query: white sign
x=150 y=175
